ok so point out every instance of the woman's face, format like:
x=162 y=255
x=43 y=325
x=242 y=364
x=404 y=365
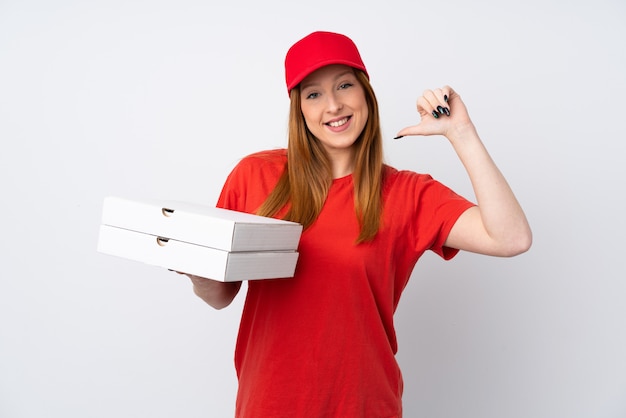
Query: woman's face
x=334 y=107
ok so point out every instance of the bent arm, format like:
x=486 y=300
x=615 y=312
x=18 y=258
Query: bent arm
x=497 y=225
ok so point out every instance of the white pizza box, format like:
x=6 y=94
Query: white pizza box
x=201 y=224
x=196 y=259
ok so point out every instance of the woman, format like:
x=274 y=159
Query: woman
x=322 y=344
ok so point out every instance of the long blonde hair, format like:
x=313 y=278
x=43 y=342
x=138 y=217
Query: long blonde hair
x=307 y=178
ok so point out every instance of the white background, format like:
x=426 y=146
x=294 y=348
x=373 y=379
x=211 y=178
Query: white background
x=160 y=99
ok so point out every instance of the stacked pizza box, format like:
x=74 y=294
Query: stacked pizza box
x=202 y=240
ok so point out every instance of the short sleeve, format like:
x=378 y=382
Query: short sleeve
x=427 y=209
x=251 y=181
x=443 y=207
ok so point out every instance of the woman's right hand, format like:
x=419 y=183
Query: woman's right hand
x=217 y=294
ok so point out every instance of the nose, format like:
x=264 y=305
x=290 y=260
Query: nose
x=333 y=104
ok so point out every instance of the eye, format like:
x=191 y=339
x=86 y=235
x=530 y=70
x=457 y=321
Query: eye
x=312 y=95
x=345 y=86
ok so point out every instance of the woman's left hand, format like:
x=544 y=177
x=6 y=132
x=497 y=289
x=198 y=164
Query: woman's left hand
x=442 y=112
x=497 y=225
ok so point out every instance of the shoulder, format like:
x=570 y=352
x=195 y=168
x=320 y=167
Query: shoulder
x=262 y=161
x=273 y=156
x=394 y=178
x=416 y=188
x=252 y=180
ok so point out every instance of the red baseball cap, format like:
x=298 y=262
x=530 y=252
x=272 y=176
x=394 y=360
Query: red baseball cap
x=317 y=50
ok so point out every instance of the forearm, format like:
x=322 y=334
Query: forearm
x=497 y=225
x=216 y=294
x=501 y=215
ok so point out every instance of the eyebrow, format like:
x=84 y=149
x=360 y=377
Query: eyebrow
x=342 y=74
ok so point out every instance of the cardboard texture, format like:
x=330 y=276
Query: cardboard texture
x=196 y=259
x=202 y=225
x=205 y=241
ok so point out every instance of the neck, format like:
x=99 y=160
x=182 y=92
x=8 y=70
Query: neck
x=342 y=163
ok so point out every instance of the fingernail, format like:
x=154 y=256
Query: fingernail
x=445 y=97
x=446 y=111
x=399 y=136
x=440 y=109
x=435 y=115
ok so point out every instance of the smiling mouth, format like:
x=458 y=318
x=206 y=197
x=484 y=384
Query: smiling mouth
x=338 y=123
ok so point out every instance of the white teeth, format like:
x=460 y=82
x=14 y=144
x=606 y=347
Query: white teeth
x=338 y=123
